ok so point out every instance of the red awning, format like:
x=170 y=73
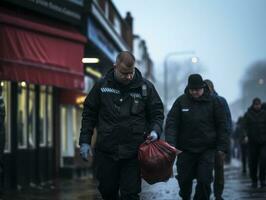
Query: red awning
x=39 y=53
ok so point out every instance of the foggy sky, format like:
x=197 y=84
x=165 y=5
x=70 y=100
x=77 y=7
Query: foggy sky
x=227 y=35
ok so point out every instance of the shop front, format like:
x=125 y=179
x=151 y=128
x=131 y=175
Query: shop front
x=38 y=59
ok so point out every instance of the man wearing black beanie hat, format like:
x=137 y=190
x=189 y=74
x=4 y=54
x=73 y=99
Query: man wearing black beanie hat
x=196 y=125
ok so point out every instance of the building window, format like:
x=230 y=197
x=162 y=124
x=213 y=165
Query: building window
x=50 y=116
x=78 y=2
x=106 y=10
x=22 y=116
x=6 y=91
x=117 y=25
x=97 y=2
x=43 y=114
x=32 y=117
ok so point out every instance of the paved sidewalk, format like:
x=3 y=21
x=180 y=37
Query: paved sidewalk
x=237 y=187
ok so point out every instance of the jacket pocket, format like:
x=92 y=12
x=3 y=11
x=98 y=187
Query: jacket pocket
x=137 y=106
x=106 y=140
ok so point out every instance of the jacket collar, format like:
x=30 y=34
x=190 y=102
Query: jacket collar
x=135 y=83
x=205 y=97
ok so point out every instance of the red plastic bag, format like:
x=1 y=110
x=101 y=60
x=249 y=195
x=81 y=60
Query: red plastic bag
x=156 y=161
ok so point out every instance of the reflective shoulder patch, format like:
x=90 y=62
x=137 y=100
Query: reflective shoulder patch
x=109 y=90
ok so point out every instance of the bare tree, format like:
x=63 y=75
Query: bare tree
x=254 y=83
x=177 y=76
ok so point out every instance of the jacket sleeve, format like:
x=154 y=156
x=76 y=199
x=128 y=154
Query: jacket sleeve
x=90 y=114
x=154 y=111
x=229 y=123
x=172 y=124
x=220 y=125
x=245 y=122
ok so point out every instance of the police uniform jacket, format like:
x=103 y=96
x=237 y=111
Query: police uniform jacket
x=122 y=115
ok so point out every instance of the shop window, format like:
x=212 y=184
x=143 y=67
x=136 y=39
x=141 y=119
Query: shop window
x=22 y=116
x=77 y=112
x=43 y=116
x=31 y=118
x=68 y=129
x=50 y=117
x=6 y=91
x=63 y=122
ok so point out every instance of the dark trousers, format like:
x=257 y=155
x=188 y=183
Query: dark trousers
x=199 y=166
x=218 y=185
x=118 y=179
x=244 y=156
x=257 y=158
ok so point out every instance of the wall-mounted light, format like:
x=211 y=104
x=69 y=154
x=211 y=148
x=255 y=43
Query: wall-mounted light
x=23 y=84
x=2 y=84
x=90 y=60
x=93 y=72
x=80 y=99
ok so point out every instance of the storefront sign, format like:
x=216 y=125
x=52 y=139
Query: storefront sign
x=69 y=10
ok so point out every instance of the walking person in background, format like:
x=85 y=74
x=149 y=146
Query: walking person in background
x=241 y=136
x=254 y=123
x=2 y=141
x=122 y=106
x=196 y=125
x=218 y=184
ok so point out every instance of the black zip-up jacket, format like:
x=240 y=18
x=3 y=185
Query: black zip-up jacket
x=121 y=114
x=195 y=125
x=254 y=123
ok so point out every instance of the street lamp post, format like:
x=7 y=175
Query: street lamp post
x=178 y=53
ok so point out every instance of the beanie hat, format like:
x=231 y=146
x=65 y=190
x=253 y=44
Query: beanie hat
x=256 y=101
x=195 y=81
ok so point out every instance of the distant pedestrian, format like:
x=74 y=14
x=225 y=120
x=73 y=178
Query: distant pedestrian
x=122 y=106
x=2 y=141
x=242 y=139
x=218 y=184
x=255 y=124
x=196 y=125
